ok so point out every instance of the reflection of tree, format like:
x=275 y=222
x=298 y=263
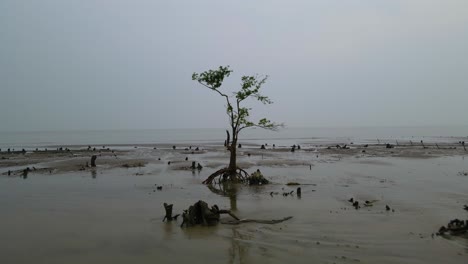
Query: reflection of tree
x=238 y=251
x=168 y=230
x=226 y=189
x=93 y=174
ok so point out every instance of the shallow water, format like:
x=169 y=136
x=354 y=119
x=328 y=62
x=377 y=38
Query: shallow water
x=113 y=216
x=286 y=136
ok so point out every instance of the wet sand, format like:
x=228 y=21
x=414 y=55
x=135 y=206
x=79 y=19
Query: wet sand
x=69 y=213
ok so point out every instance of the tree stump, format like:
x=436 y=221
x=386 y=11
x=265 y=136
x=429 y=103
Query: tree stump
x=168 y=216
x=200 y=213
x=93 y=161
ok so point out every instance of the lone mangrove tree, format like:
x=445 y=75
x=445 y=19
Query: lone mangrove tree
x=237 y=114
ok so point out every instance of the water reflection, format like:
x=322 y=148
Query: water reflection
x=168 y=230
x=93 y=174
x=238 y=251
x=226 y=189
x=199 y=231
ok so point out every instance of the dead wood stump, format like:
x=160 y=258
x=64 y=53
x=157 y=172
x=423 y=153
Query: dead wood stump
x=201 y=214
x=93 y=161
x=168 y=216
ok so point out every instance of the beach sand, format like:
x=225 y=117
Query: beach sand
x=65 y=212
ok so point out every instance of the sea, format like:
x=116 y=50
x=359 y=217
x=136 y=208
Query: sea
x=285 y=136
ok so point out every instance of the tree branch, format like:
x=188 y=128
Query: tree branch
x=272 y=127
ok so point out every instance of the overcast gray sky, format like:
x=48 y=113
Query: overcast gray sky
x=91 y=64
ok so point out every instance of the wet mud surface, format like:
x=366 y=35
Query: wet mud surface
x=66 y=212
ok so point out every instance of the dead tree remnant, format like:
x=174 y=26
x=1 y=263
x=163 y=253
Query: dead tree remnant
x=169 y=217
x=93 y=161
x=201 y=214
x=455 y=227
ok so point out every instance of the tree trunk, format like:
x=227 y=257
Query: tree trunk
x=228 y=138
x=233 y=158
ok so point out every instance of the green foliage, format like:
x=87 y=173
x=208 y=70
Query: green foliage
x=212 y=78
x=257 y=178
x=250 y=88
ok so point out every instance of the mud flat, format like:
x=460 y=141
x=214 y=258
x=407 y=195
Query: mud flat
x=67 y=212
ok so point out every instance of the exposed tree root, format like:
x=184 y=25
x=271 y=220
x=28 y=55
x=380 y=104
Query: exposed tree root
x=238 y=175
x=271 y=222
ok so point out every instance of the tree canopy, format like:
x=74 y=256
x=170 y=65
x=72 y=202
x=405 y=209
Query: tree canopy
x=250 y=88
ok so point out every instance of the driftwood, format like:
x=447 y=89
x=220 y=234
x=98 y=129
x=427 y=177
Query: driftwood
x=270 y=222
x=455 y=227
x=201 y=214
